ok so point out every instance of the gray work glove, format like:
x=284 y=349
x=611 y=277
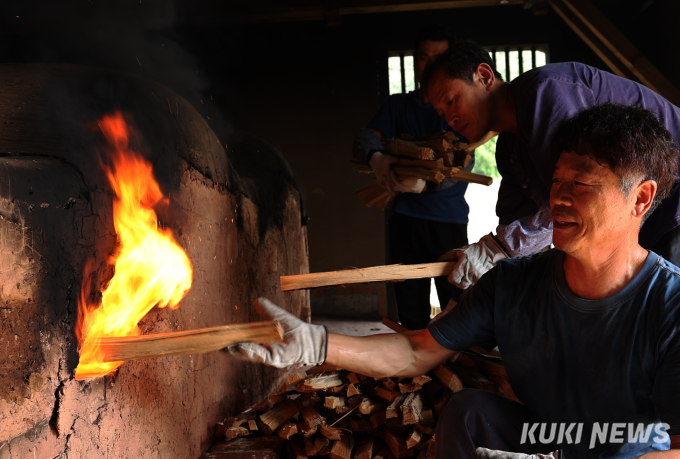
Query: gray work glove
x=473 y=261
x=303 y=343
x=483 y=453
x=381 y=164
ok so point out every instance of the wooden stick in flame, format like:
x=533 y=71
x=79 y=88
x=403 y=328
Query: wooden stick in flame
x=189 y=341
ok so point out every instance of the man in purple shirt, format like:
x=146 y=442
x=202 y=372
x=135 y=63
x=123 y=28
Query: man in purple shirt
x=463 y=88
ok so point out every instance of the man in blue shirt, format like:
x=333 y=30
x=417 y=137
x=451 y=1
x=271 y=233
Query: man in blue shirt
x=464 y=89
x=589 y=332
x=424 y=221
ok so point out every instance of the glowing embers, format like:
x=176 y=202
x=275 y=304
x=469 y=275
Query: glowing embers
x=150 y=268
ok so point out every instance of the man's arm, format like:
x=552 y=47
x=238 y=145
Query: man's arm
x=391 y=354
x=670 y=454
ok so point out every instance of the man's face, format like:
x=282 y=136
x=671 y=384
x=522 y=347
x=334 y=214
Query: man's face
x=589 y=210
x=426 y=53
x=465 y=106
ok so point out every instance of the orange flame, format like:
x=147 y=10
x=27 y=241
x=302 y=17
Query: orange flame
x=150 y=267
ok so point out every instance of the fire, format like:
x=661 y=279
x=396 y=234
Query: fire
x=150 y=268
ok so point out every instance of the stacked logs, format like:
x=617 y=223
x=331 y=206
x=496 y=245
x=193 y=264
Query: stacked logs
x=432 y=158
x=345 y=415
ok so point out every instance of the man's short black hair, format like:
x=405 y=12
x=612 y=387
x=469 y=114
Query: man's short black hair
x=460 y=62
x=434 y=32
x=629 y=139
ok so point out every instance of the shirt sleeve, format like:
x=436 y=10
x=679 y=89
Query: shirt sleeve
x=471 y=322
x=528 y=234
x=386 y=118
x=366 y=143
x=665 y=395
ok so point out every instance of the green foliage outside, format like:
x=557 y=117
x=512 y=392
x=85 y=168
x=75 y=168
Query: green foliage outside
x=485 y=159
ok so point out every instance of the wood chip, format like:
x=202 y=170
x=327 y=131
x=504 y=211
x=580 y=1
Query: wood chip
x=352 y=390
x=352 y=378
x=233 y=432
x=330 y=432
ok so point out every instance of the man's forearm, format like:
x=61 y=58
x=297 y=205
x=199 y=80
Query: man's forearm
x=670 y=454
x=391 y=354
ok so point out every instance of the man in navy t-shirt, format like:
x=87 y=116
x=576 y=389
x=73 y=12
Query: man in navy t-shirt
x=463 y=88
x=589 y=332
x=424 y=221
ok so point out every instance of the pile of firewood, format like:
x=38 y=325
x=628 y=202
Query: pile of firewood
x=432 y=158
x=344 y=415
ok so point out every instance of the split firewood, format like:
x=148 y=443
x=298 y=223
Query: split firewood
x=310 y=418
x=342 y=409
x=378 y=419
x=310 y=448
x=364 y=275
x=365 y=449
x=294 y=378
x=267 y=404
x=233 y=432
x=449 y=378
x=431 y=447
x=288 y=430
x=383 y=453
x=342 y=449
x=353 y=378
x=252 y=425
x=274 y=418
x=305 y=431
x=329 y=432
x=388 y=383
x=414 y=438
x=359 y=425
x=320 y=443
x=397 y=445
x=352 y=390
x=410 y=409
x=425 y=430
x=334 y=402
x=369 y=406
x=319 y=382
x=398 y=147
x=408 y=162
x=393 y=410
x=385 y=394
x=427 y=417
x=116 y=349
x=298 y=447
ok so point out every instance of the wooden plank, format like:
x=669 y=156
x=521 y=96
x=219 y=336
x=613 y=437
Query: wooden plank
x=364 y=275
x=116 y=349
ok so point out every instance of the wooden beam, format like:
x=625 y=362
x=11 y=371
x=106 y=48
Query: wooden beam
x=188 y=342
x=620 y=55
x=319 y=13
x=364 y=275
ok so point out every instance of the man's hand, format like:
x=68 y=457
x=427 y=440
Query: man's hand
x=473 y=261
x=483 y=453
x=409 y=185
x=381 y=164
x=303 y=343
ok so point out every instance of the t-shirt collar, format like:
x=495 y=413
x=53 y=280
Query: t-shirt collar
x=604 y=304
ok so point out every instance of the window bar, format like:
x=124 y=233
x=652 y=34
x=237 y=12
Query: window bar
x=493 y=57
x=403 y=73
x=520 y=60
x=533 y=57
x=507 y=64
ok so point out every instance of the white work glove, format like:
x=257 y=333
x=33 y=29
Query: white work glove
x=409 y=185
x=303 y=343
x=381 y=164
x=483 y=453
x=473 y=261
